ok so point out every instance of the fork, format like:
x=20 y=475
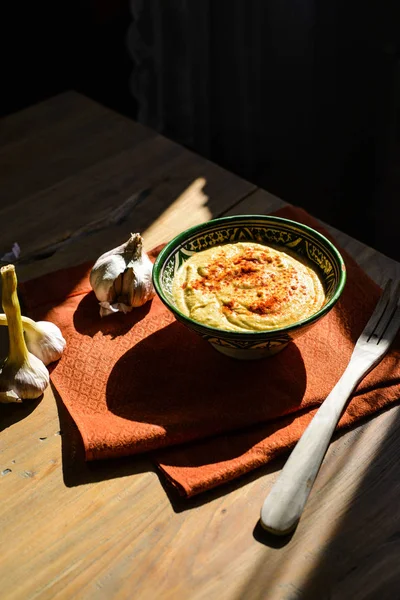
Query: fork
x=284 y=505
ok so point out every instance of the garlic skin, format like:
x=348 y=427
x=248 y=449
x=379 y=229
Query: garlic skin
x=43 y=339
x=23 y=375
x=26 y=380
x=122 y=277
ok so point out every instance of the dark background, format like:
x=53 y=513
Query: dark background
x=349 y=174
x=48 y=47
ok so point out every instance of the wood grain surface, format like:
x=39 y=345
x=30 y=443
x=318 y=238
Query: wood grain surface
x=111 y=530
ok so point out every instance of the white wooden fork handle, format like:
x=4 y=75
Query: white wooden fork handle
x=285 y=503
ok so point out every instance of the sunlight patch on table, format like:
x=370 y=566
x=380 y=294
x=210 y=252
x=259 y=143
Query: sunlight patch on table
x=189 y=209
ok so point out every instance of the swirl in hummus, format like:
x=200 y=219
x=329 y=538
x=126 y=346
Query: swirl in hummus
x=247 y=287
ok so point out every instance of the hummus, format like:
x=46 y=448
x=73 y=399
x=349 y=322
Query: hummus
x=247 y=287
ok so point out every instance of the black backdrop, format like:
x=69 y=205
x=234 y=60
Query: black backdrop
x=301 y=97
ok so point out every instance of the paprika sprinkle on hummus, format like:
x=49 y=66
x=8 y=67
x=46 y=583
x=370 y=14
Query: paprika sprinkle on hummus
x=247 y=287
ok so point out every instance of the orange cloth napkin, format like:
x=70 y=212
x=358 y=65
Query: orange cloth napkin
x=143 y=382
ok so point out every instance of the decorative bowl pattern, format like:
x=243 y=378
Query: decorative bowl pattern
x=263 y=229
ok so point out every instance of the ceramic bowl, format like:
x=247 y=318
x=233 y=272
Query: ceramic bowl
x=263 y=229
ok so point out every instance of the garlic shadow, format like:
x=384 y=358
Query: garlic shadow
x=87 y=319
x=17 y=411
x=177 y=388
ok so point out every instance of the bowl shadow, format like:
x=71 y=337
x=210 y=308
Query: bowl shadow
x=175 y=380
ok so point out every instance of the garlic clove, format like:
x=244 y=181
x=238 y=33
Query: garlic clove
x=118 y=285
x=122 y=278
x=103 y=276
x=108 y=309
x=128 y=287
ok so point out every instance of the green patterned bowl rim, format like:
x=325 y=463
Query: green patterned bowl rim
x=183 y=238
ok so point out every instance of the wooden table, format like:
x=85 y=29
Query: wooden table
x=109 y=529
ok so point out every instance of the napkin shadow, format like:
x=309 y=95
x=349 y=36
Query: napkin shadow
x=78 y=471
x=87 y=319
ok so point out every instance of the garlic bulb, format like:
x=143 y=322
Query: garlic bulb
x=43 y=339
x=122 y=277
x=23 y=375
x=24 y=378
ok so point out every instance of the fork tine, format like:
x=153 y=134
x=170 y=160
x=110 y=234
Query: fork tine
x=370 y=327
x=386 y=325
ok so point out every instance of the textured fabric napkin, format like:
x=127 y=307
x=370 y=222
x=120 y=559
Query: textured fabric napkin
x=143 y=382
